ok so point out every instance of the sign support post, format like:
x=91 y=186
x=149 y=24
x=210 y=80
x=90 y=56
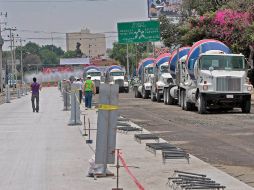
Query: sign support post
x=128 y=64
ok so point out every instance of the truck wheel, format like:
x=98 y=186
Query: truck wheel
x=165 y=96
x=137 y=94
x=179 y=98
x=170 y=99
x=187 y=105
x=158 y=97
x=201 y=104
x=153 y=98
x=145 y=95
x=246 y=106
x=182 y=99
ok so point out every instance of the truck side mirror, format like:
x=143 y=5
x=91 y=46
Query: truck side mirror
x=247 y=64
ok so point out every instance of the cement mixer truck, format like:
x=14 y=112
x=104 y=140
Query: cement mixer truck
x=171 y=91
x=161 y=78
x=95 y=74
x=145 y=74
x=116 y=75
x=213 y=78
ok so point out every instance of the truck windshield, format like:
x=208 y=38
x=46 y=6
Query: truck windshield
x=222 y=62
x=149 y=70
x=117 y=74
x=164 y=69
x=94 y=74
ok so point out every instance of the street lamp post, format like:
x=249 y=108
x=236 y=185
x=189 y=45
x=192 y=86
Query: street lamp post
x=21 y=61
x=1 y=60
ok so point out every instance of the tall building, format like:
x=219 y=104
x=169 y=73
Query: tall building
x=92 y=44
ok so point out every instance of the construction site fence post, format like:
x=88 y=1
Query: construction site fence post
x=18 y=92
x=75 y=107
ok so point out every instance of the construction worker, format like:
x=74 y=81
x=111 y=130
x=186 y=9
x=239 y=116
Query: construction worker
x=89 y=90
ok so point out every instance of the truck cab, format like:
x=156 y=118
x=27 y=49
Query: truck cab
x=161 y=78
x=116 y=75
x=146 y=78
x=145 y=73
x=222 y=81
x=96 y=76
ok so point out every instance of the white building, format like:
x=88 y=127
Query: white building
x=92 y=44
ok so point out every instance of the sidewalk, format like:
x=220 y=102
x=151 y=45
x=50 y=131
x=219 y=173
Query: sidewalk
x=39 y=151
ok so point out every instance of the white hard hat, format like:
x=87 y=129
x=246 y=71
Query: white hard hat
x=88 y=76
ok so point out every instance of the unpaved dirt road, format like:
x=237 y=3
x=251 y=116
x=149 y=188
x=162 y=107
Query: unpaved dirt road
x=225 y=140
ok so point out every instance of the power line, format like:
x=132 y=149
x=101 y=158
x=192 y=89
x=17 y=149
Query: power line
x=48 y=1
x=48 y=32
x=64 y=38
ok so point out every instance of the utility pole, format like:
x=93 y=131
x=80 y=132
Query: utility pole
x=14 y=58
x=21 y=60
x=12 y=54
x=1 y=53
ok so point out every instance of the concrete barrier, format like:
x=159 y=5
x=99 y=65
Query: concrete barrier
x=18 y=92
x=7 y=94
x=75 y=108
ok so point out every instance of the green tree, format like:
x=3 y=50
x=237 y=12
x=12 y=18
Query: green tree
x=69 y=54
x=31 y=62
x=240 y=5
x=31 y=48
x=199 y=7
x=48 y=57
x=170 y=33
x=57 y=50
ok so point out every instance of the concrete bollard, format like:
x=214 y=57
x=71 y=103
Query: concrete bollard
x=22 y=91
x=66 y=98
x=18 y=92
x=7 y=94
x=75 y=108
x=26 y=91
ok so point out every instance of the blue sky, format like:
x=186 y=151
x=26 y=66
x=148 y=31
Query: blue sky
x=64 y=16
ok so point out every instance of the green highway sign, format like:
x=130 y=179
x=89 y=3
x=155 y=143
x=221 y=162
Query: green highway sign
x=138 y=32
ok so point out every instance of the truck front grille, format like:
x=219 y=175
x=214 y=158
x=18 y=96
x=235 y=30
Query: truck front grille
x=119 y=82
x=97 y=83
x=228 y=84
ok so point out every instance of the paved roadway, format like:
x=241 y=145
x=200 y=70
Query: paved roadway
x=225 y=140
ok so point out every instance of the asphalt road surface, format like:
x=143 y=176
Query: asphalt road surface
x=223 y=139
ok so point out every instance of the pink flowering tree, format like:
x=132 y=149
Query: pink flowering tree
x=234 y=28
